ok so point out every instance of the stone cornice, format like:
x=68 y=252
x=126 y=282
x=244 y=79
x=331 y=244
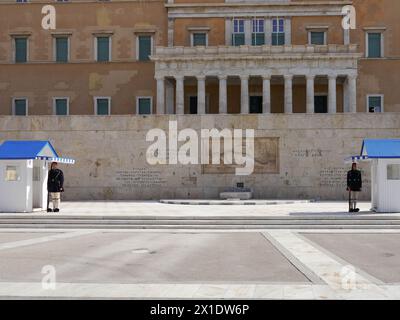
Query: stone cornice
x=256 y=52
x=306 y=8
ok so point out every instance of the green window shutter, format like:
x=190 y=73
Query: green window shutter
x=278 y=38
x=375 y=104
x=61 y=107
x=374 y=45
x=238 y=39
x=21 y=48
x=20 y=107
x=103 y=49
x=318 y=38
x=144 y=48
x=102 y=106
x=258 y=39
x=199 y=39
x=144 y=106
x=61 y=49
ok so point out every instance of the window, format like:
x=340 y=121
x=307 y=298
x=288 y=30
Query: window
x=393 y=171
x=375 y=103
x=199 y=39
x=238 y=37
x=61 y=106
x=144 y=105
x=21 y=50
x=258 y=35
x=317 y=38
x=374 y=45
x=12 y=173
x=103 y=49
x=278 y=32
x=22 y=1
x=144 y=44
x=102 y=106
x=62 y=49
x=20 y=107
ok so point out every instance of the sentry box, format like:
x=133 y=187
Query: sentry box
x=23 y=174
x=384 y=156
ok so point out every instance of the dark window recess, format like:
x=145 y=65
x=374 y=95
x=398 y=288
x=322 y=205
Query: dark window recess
x=374 y=45
x=256 y=104
x=62 y=49
x=199 y=39
x=193 y=105
x=102 y=106
x=321 y=104
x=61 y=107
x=21 y=50
x=317 y=38
x=20 y=107
x=103 y=49
x=144 y=48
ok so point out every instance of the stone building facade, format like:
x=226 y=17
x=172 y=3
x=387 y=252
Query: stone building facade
x=112 y=70
x=186 y=56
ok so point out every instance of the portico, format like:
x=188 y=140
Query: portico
x=289 y=66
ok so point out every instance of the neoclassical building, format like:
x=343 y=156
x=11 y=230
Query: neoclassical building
x=123 y=57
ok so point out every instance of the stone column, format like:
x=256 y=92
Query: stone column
x=247 y=31
x=288 y=93
x=180 y=105
x=267 y=94
x=160 y=95
x=244 y=96
x=332 y=94
x=223 y=100
x=352 y=92
x=310 y=93
x=201 y=94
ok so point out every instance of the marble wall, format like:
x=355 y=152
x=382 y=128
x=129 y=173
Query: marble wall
x=298 y=156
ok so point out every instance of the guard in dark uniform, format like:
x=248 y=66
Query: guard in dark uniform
x=354 y=185
x=55 y=185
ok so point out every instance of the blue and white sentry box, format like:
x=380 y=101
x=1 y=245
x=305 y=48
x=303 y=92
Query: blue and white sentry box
x=23 y=174
x=384 y=155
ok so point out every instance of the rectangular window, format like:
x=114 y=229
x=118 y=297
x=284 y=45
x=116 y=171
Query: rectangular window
x=21 y=50
x=393 y=171
x=22 y=1
x=199 y=39
x=238 y=36
x=103 y=49
x=144 y=105
x=61 y=106
x=278 y=32
x=258 y=35
x=20 y=107
x=12 y=173
x=374 y=45
x=62 y=49
x=375 y=103
x=144 y=44
x=317 y=38
x=102 y=106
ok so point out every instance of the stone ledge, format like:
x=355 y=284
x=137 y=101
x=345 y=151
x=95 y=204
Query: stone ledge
x=234 y=202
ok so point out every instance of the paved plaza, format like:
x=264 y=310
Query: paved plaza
x=155 y=208
x=359 y=263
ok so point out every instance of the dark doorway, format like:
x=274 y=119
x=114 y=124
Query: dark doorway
x=321 y=104
x=193 y=104
x=256 y=104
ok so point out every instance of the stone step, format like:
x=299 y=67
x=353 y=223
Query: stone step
x=195 y=226
x=236 y=222
x=196 y=218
